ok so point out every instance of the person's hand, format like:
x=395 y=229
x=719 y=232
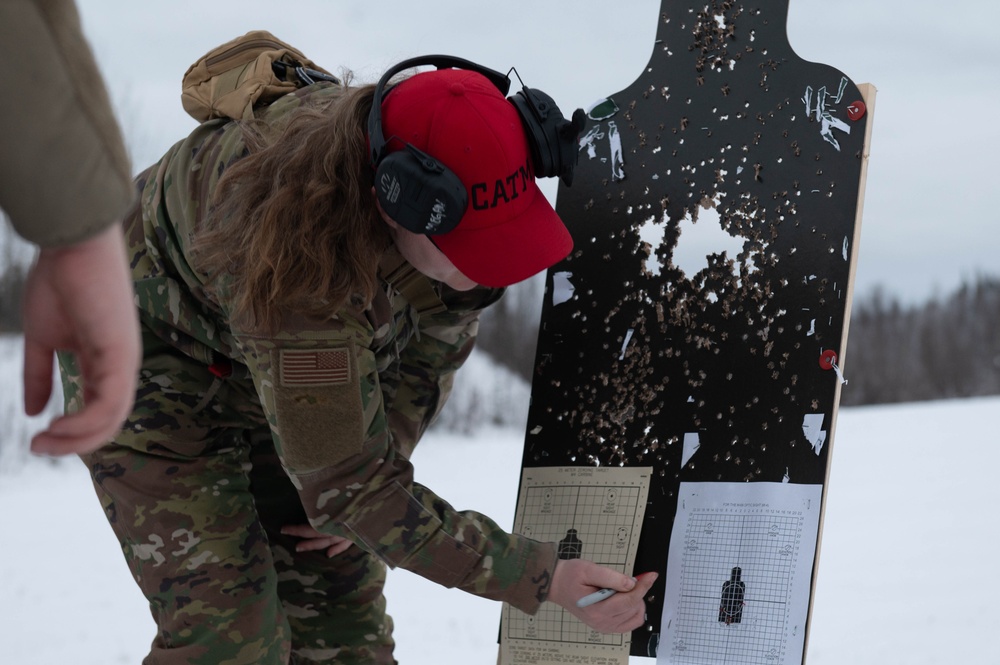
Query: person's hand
x=79 y=299
x=621 y=613
x=313 y=540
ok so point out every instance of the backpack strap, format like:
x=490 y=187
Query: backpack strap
x=410 y=283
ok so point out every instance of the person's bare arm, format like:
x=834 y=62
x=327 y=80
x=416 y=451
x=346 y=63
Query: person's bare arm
x=78 y=299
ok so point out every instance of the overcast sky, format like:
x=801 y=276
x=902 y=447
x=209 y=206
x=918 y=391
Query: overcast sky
x=930 y=219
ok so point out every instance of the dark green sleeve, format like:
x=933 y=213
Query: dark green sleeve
x=64 y=171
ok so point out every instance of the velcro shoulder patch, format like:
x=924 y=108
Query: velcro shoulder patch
x=314 y=367
x=318 y=406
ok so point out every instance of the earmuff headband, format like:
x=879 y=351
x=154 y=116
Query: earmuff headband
x=376 y=137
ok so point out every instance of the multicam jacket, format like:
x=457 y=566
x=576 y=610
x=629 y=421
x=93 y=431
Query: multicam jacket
x=346 y=399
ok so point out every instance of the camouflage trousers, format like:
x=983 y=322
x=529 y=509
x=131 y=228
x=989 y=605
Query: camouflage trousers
x=196 y=495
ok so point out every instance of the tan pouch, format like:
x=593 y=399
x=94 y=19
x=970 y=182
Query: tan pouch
x=231 y=80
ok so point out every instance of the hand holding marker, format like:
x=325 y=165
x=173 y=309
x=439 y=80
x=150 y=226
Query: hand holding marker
x=597 y=596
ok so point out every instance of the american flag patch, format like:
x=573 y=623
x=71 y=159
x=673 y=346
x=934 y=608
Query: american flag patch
x=324 y=367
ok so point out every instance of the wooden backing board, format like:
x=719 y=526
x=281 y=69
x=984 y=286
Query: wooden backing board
x=868 y=93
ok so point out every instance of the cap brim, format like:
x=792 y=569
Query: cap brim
x=512 y=251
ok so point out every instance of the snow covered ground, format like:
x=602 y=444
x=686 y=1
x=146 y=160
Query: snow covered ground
x=907 y=571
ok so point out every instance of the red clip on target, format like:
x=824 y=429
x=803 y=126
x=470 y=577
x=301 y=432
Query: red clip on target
x=856 y=111
x=828 y=359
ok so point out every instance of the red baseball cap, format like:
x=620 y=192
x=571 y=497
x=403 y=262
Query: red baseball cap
x=509 y=231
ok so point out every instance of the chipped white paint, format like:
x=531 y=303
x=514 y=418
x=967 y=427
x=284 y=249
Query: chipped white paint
x=562 y=287
x=828 y=122
x=628 y=338
x=812 y=427
x=605 y=143
x=588 y=142
x=691 y=444
x=617 y=161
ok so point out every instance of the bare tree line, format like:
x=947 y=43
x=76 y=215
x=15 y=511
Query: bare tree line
x=946 y=347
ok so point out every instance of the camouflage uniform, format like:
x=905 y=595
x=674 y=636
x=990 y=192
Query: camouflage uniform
x=235 y=435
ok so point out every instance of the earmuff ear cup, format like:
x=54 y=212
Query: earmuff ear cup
x=553 y=139
x=419 y=193
x=415 y=190
x=544 y=155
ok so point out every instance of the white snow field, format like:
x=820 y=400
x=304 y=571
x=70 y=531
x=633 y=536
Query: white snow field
x=907 y=567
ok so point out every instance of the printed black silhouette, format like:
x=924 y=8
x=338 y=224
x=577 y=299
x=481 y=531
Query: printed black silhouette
x=570 y=547
x=731 y=607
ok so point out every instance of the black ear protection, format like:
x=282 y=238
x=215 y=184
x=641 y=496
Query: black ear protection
x=423 y=195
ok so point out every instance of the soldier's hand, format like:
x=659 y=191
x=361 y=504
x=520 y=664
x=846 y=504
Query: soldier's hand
x=313 y=540
x=79 y=299
x=621 y=613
